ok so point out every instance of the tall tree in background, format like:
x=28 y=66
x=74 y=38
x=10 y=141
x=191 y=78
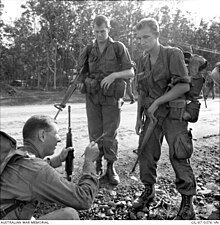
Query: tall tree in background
x=44 y=44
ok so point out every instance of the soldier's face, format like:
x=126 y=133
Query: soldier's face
x=101 y=33
x=51 y=139
x=146 y=38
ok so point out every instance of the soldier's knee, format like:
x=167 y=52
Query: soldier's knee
x=70 y=214
x=67 y=213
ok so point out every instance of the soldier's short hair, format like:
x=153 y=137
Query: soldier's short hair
x=100 y=19
x=36 y=123
x=148 y=22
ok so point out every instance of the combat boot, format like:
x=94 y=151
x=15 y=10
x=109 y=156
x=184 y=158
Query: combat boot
x=145 y=198
x=99 y=170
x=186 y=211
x=113 y=177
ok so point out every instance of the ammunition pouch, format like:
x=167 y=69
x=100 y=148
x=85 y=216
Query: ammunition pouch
x=177 y=108
x=91 y=86
x=183 y=146
x=110 y=91
x=117 y=89
x=120 y=88
x=195 y=88
x=192 y=111
x=161 y=112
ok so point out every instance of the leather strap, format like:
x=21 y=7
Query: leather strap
x=4 y=212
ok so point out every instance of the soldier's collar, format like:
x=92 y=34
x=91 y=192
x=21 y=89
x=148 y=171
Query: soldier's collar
x=109 y=40
x=30 y=148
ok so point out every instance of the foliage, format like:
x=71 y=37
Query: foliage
x=43 y=45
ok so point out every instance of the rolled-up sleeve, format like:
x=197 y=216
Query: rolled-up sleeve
x=178 y=70
x=126 y=62
x=50 y=186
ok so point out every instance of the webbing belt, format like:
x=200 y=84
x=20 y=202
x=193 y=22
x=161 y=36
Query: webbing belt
x=4 y=212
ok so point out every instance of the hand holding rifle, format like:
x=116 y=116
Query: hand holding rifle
x=70 y=155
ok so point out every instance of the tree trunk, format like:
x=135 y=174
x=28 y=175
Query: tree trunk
x=55 y=68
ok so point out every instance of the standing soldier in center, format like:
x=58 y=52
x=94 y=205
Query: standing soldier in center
x=109 y=64
x=159 y=67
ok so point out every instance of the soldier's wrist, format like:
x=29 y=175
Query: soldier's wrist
x=89 y=167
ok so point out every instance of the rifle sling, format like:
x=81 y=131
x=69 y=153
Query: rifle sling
x=4 y=212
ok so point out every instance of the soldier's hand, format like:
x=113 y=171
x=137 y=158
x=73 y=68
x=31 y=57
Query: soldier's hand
x=138 y=126
x=151 y=110
x=107 y=81
x=91 y=152
x=79 y=86
x=64 y=153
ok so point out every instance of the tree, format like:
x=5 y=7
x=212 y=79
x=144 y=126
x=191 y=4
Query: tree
x=44 y=44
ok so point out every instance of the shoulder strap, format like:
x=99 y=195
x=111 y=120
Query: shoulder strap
x=115 y=46
x=89 y=49
x=116 y=49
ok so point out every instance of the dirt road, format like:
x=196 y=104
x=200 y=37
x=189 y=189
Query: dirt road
x=13 y=118
x=204 y=160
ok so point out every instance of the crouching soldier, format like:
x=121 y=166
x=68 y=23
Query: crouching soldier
x=27 y=179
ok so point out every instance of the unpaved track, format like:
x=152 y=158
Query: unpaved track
x=13 y=118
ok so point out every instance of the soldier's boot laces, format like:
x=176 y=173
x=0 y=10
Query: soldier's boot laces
x=145 y=198
x=111 y=173
x=99 y=170
x=186 y=211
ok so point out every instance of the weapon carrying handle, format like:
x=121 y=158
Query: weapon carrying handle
x=59 y=106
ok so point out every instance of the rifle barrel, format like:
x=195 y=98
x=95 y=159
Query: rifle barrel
x=147 y=135
x=69 y=120
x=70 y=156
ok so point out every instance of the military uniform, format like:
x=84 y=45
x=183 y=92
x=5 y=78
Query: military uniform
x=209 y=86
x=104 y=106
x=151 y=85
x=31 y=180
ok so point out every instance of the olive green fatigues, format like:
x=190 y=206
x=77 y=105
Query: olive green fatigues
x=153 y=84
x=104 y=106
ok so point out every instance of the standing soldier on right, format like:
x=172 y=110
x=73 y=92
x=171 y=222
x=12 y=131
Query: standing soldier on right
x=215 y=74
x=209 y=86
x=162 y=83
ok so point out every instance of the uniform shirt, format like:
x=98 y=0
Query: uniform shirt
x=170 y=66
x=113 y=58
x=32 y=179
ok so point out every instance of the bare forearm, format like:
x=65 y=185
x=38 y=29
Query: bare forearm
x=139 y=107
x=177 y=91
x=125 y=74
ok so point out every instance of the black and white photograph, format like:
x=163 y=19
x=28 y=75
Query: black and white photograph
x=109 y=110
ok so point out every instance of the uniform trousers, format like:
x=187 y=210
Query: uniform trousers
x=104 y=115
x=185 y=180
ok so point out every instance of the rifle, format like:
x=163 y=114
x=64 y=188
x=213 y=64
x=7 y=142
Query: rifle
x=204 y=100
x=70 y=156
x=72 y=87
x=147 y=135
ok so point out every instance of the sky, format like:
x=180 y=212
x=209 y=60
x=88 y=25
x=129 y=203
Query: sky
x=206 y=9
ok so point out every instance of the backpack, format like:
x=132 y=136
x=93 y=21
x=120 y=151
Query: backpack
x=196 y=66
x=8 y=150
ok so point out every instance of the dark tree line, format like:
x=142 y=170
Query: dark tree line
x=43 y=45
